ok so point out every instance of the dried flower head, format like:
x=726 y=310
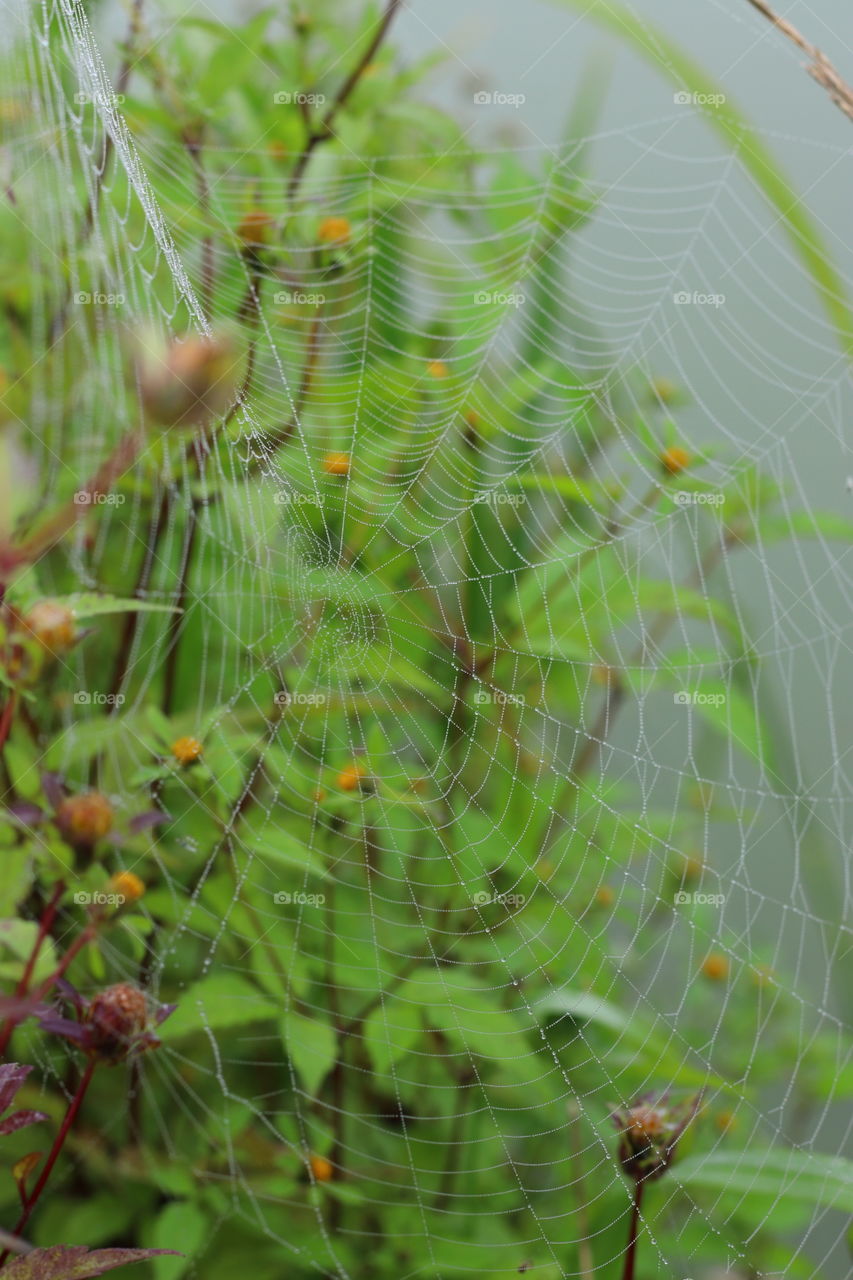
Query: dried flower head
x=52 y=625
x=84 y=819
x=186 y=751
x=185 y=384
x=649 y=1133
x=116 y=1024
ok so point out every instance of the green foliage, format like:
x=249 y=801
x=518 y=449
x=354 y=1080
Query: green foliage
x=337 y=1070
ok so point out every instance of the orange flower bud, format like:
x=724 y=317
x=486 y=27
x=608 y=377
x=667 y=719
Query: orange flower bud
x=336 y=464
x=351 y=778
x=716 y=967
x=322 y=1169
x=334 y=231
x=675 y=459
x=254 y=231
x=186 y=751
x=128 y=885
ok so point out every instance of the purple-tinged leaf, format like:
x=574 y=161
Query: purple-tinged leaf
x=20 y=1120
x=12 y=1076
x=165 y=1011
x=74 y=1262
x=151 y=818
x=29 y=815
x=52 y=786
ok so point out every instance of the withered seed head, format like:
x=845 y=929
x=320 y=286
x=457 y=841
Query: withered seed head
x=53 y=625
x=117 y=1018
x=84 y=819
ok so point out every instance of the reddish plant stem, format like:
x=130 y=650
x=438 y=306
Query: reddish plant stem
x=76 y=947
x=55 y=528
x=59 y=1142
x=7 y=717
x=45 y=926
x=633 y=1232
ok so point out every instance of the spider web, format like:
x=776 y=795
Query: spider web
x=397 y=618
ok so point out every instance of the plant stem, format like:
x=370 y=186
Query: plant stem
x=45 y=925
x=59 y=1142
x=820 y=68
x=7 y=717
x=324 y=130
x=84 y=937
x=633 y=1232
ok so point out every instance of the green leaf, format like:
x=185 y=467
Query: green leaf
x=391 y=1031
x=804 y=1176
x=180 y=1223
x=312 y=1046
x=89 y=605
x=218 y=1003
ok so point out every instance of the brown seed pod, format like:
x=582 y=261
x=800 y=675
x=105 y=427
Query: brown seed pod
x=85 y=819
x=117 y=1017
x=53 y=625
x=185 y=384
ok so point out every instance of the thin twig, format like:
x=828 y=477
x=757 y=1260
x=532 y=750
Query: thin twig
x=324 y=131
x=820 y=68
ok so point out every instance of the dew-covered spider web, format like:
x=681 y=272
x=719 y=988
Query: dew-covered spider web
x=516 y=646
